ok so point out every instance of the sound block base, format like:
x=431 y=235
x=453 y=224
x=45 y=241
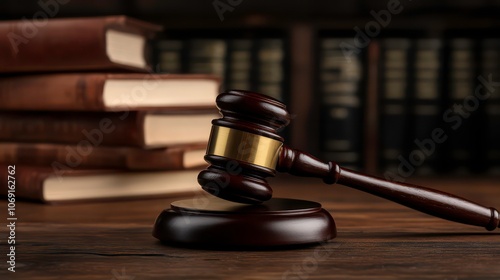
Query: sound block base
x=216 y=223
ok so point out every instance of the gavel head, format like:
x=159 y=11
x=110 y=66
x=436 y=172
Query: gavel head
x=244 y=147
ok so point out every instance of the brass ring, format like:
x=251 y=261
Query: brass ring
x=244 y=146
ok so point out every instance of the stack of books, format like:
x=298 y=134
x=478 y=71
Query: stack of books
x=82 y=116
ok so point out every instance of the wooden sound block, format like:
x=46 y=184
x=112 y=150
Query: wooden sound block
x=216 y=223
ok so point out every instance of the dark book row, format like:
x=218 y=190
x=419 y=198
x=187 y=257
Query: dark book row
x=435 y=102
x=256 y=63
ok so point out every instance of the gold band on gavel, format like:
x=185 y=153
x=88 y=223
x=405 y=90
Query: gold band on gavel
x=244 y=146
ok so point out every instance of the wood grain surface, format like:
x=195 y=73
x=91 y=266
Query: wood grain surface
x=376 y=239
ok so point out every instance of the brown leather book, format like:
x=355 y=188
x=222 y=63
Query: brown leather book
x=49 y=186
x=98 y=43
x=87 y=156
x=107 y=92
x=128 y=128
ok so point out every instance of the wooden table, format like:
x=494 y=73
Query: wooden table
x=376 y=240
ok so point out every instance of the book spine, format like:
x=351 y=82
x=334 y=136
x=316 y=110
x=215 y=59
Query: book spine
x=270 y=67
x=394 y=116
x=169 y=55
x=87 y=157
x=341 y=104
x=207 y=56
x=240 y=64
x=461 y=84
x=490 y=57
x=29 y=185
x=371 y=118
x=426 y=99
x=58 y=92
x=114 y=129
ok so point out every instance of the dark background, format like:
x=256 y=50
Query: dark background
x=302 y=28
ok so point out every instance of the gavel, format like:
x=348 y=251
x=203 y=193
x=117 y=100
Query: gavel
x=245 y=148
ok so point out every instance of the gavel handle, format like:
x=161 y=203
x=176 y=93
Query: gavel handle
x=429 y=201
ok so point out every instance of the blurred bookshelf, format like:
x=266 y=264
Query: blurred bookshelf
x=364 y=110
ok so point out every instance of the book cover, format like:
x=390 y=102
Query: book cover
x=146 y=129
x=47 y=185
x=107 y=92
x=76 y=44
x=85 y=156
